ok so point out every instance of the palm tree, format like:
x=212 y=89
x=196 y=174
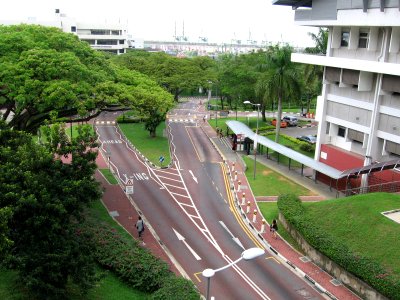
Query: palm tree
x=313 y=74
x=280 y=80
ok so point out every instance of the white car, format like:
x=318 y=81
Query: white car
x=290 y=120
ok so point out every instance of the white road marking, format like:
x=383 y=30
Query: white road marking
x=169 y=178
x=235 y=239
x=180 y=195
x=178 y=187
x=194 y=178
x=181 y=238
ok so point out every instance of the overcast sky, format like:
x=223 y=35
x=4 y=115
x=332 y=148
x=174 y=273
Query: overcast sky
x=218 y=20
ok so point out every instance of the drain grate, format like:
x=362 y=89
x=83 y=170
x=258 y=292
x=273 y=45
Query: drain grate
x=336 y=282
x=114 y=213
x=305 y=259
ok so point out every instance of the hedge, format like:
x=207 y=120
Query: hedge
x=131 y=119
x=136 y=265
x=368 y=270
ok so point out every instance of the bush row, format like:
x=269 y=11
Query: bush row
x=137 y=266
x=263 y=128
x=302 y=145
x=131 y=119
x=364 y=268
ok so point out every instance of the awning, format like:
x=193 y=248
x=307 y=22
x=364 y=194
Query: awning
x=240 y=128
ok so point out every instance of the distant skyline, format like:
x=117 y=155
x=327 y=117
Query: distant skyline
x=217 y=20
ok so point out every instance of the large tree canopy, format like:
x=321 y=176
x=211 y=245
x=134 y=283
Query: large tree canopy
x=173 y=73
x=44 y=70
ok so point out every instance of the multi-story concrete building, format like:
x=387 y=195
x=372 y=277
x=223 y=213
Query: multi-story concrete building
x=105 y=37
x=359 y=108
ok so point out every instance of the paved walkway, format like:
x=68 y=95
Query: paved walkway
x=300 y=263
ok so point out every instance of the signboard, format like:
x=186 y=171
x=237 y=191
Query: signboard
x=161 y=159
x=129 y=187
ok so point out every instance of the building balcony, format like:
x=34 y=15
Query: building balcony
x=348 y=63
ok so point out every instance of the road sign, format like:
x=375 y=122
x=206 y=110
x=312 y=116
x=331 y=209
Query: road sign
x=129 y=189
x=129 y=186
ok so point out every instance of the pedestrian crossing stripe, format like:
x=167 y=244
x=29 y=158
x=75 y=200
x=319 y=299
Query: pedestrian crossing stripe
x=105 y=122
x=181 y=121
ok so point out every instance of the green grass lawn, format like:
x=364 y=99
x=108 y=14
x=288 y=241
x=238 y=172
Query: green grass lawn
x=109 y=176
x=270 y=183
x=358 y=222
x=150 y=147
x=269 y=210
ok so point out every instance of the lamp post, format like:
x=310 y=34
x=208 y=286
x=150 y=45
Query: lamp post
x=255 y=137
x=246 y=255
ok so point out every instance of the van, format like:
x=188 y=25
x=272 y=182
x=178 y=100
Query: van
x=291 y=120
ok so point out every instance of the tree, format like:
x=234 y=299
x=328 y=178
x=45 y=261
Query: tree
x=173 y=73
x=280 y=79
x=46 y=198
x=313 y=74
x=44 y=70
x=144 y=95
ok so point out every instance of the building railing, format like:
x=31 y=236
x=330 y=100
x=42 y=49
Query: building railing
x=388 y=187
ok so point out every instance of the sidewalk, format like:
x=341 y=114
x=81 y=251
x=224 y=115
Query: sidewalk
x=300 y=263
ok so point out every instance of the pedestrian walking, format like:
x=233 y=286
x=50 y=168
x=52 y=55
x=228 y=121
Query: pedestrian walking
x=140 y=227
x=204 y=118
x=274 y=228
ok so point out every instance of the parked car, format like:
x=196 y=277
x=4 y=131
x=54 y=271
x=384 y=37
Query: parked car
x=308 y=138
x=283 y=123
x=290 y=120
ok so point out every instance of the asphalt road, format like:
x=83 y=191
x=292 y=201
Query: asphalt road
x=190 y=208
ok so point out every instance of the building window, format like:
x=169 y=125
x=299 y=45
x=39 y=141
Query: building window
x=121 y=42
x=345 y=38
x=121 y=51
x=363 y=40
x=99 y=32
x=73 y=28
x=341 y=131
x=115 y=32
x=106 y=42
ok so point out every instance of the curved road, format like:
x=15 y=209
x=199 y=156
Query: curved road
x=190 y=207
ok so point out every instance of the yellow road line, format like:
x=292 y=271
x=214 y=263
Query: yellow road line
x=197 y=277
x=271 y=257
x=234 y=210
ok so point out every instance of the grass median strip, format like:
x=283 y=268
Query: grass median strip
x=152 y=148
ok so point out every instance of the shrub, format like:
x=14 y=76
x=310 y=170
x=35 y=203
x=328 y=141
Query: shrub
x=263 y=128
x=176 y=288
x=135 y=265
x=307 y=147
x=131 y=119
x=364 y=268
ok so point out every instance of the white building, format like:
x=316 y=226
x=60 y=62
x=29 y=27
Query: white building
x=105 y=37
x=359 y=107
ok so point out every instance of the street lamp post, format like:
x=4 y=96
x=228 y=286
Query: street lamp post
x=255 y=137
x=246 y=255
